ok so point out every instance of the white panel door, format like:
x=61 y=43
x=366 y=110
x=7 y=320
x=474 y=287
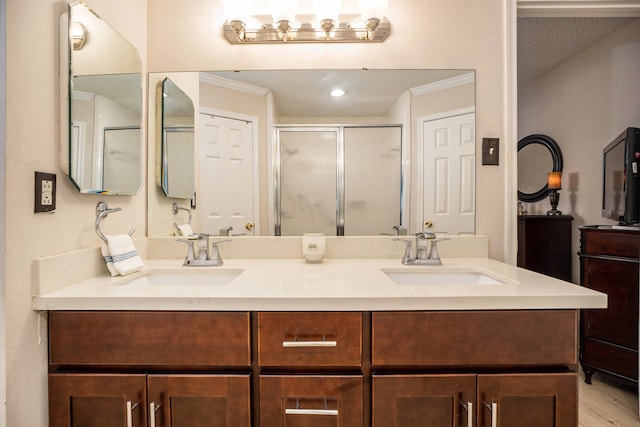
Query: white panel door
x=449 y=174
x=226 y=175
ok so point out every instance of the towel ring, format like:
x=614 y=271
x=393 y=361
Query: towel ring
x=175 y=209
x=102 y=210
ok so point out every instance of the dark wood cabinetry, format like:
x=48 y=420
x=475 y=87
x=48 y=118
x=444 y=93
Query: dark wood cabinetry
x=544 y=244
x=609 y=263
x=108 y=369
x=313 y=369
x=523 y=400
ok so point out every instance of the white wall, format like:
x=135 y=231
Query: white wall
x=583 y=104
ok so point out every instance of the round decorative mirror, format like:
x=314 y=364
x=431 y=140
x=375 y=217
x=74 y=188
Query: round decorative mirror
x=537 y=156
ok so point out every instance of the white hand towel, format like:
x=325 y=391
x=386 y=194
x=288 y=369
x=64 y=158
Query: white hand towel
x=107 y=258
x=185 y=230
x=123 y=252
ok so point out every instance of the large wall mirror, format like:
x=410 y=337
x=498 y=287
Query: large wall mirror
x=419 y=123
x=177 y=155
x=105 y=148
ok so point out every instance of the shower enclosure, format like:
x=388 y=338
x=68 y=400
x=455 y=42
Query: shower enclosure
x=338 y=180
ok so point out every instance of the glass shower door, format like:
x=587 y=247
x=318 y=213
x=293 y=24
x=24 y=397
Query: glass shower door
x=372 y=180
x=307 y=201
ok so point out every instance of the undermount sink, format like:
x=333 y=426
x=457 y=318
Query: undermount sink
x=208 y=277
x=441 y=277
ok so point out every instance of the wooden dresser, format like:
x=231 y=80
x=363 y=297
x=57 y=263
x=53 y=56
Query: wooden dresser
x=544 y=244
x=609 y=263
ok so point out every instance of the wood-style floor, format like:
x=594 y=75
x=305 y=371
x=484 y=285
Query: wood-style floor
x=607 y=402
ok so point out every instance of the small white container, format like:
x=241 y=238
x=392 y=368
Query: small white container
x=313 y=245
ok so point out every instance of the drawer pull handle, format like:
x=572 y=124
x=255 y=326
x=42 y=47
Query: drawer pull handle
x=494 y=413
x=129 y=414
x=333 y=412
x=309 y=343
x=469 y=408
x=153 y=408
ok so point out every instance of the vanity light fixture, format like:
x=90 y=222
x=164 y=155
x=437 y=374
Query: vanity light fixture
x=290 y=23
x=78 y=35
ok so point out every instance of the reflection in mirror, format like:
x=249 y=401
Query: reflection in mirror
x=105 y=108
x=177 y=172
x=537 y=156
x=413 y=102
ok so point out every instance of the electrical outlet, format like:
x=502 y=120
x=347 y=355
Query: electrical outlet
x=45 y=192
x=47 y=186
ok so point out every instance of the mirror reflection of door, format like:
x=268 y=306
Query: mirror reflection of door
x=372 y=168
x=339 y=180
x=121 y=156
x=449 y=174
x=308 y=181
x=226 y=175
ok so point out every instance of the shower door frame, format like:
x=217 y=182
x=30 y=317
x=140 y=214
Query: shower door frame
x=340 y=169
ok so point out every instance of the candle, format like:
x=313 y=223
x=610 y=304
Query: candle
x=554 y=180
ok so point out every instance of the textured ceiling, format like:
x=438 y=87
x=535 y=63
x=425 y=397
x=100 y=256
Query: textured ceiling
x=544 y=43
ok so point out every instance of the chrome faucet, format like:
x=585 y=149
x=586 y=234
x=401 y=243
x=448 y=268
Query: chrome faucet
x=203 y=256
x=425 y=254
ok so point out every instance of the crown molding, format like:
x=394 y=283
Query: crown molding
x=578 y=8
x=233 y=84
x=443 y=84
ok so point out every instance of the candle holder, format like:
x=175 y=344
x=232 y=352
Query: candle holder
x=554 y=182
x=554 y=198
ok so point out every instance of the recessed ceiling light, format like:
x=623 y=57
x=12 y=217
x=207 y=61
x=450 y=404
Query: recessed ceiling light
x=338 y=92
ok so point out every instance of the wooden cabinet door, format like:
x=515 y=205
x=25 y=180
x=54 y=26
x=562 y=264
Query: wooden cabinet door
x=97 y=400
x=311 y=401
x=617 y=324
x=423 y=400
x=199 y=400
x=528 y=400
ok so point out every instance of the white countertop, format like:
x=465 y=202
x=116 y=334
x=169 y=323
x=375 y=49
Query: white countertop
x=335 y=284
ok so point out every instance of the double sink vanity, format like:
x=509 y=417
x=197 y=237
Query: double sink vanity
x=356 y=340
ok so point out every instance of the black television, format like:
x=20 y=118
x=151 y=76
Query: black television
x=621 y=178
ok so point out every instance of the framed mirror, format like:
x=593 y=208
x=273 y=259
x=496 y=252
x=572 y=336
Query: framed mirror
x=537 y=156
x=177 y=144
x=105 y=148
x=247 y=108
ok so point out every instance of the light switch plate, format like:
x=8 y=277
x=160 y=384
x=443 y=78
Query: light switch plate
x=45 y=192
x=490 y=151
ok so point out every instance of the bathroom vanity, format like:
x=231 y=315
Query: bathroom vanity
x=342 y=343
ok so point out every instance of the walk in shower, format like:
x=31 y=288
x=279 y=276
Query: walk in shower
x=338 y=180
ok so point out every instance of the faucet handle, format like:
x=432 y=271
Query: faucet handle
x=433 y=250
x=215 y=258
x=408 y=252
x=191 y=254
x=217 y=242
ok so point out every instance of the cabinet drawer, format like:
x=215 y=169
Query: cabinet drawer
x=311 y=400
x=149 y=339
x=310 y=339
x=611 y=243
x=478 y=338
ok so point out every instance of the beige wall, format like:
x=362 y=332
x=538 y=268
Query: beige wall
x=32 y=128
x=185 y=37
x=583 y=104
